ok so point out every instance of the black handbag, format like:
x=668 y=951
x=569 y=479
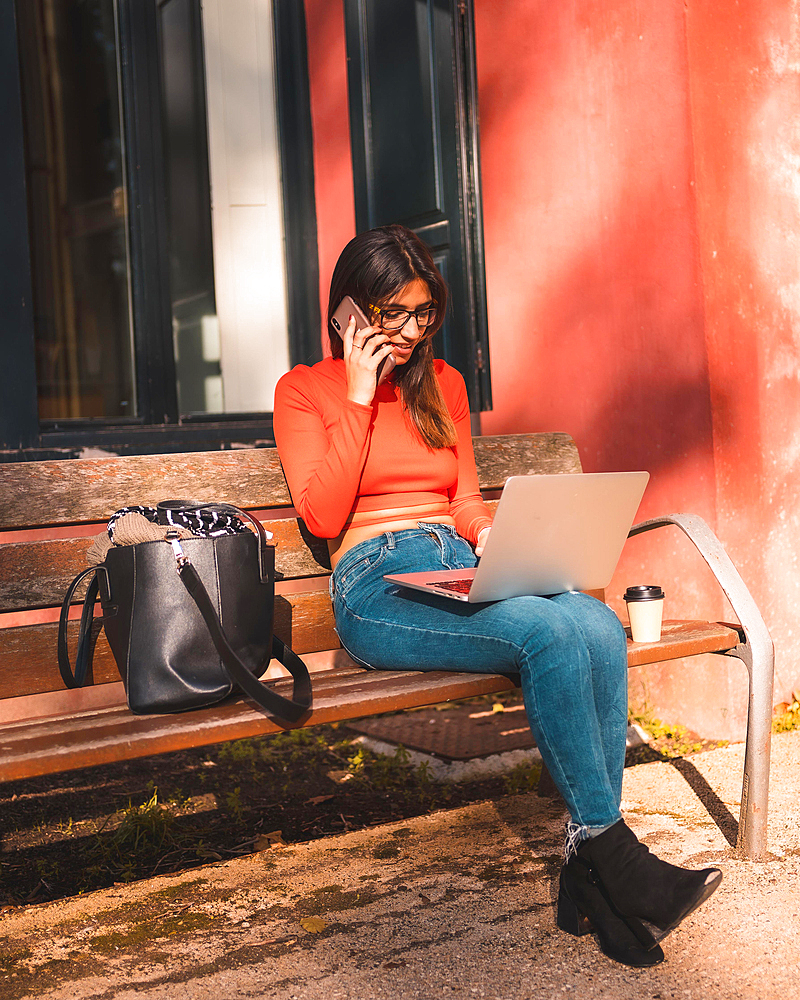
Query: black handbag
x=188 y=620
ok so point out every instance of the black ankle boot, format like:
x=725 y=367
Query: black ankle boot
x=583 y=909
x=638 y=884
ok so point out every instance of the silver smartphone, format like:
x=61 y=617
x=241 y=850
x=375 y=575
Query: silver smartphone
x=347 y=308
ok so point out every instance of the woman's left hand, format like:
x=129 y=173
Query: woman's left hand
x=481 y=544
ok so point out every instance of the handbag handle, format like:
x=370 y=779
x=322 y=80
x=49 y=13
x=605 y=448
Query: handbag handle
x=285 y=708
x=83 y=657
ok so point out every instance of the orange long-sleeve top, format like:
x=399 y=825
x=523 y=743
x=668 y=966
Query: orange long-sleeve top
x=342 y=457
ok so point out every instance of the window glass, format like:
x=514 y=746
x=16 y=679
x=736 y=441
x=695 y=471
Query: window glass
x=195 y=326
x=200 y=99
x=77 y=208
x=247 y=214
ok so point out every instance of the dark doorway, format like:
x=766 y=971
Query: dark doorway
x=414 y=135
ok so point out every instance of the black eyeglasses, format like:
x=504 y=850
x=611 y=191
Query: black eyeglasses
x=393 y=318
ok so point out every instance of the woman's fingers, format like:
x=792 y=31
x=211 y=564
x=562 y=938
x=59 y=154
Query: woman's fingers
x=347 y=336
x=370 y=346
x=364 y=350
x=369 y=338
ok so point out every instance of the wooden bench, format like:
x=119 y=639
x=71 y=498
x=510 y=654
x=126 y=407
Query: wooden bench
x=50 y=510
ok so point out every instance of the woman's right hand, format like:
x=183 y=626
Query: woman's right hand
x=481 y=543
x=363 y=352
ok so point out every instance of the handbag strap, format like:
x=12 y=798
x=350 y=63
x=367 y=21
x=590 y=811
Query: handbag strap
x=284 y=708
x=291 y=709
x=84 y=655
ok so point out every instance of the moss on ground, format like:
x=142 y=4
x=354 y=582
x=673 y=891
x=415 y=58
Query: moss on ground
x=150 y=931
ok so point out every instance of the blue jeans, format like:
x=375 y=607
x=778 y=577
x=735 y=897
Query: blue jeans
x=569 y=651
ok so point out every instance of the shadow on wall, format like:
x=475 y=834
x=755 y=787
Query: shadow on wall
x=611 y=356
x=593 y=278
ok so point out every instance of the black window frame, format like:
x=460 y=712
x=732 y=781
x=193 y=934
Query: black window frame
x=469 y=347
x=159 y=427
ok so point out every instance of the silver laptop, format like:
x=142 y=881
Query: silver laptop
x=550 y=534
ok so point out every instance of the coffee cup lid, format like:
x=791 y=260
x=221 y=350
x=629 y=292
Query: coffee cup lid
x=644 y=592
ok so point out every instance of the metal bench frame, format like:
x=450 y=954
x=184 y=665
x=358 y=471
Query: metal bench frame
x=757 y=653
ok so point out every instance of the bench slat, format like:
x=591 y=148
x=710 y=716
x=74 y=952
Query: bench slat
x=46 y=747
x=79 y=739
x=77 y=491
x=505 y=455
x=94 y=697
x=36 y=574
x=29 y=664
x=33 y=574
x=683 y=638
x=305 y=622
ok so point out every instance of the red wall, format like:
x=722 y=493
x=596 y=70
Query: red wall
x=592 y=261
x=641 y=210
x=745 y=93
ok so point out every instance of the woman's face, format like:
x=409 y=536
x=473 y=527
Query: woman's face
x=414 y=298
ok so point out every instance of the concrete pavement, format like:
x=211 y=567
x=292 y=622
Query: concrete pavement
x=456 y=904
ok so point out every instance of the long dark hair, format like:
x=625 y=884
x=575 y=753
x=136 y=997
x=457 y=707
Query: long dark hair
x=373 y=268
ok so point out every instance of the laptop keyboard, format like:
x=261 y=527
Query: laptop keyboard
x=457 y=586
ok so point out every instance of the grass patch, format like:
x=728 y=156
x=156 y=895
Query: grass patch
x=523 y=778
x=10 y=961
x=77 y=832
x=149 y=932
x=333 y=899
x=667 y=740
x=787 y=715
x=386 y=851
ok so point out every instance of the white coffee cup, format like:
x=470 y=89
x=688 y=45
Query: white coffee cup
x=645 y=610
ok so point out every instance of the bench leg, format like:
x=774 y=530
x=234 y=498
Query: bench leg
x=758 y=655
x=752 y=838
x=547 y=788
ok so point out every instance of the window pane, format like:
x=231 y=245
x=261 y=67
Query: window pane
x=194 y=313
x=227 y=268
x=78 y=211
x=247 y=215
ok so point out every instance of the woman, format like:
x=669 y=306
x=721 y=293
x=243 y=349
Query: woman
x=384 y=470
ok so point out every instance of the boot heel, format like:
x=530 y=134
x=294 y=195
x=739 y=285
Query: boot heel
x=569 y=918
x=624 y=940
x=652 y=895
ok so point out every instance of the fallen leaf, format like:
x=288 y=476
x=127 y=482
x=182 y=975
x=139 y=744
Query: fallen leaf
x=314 y=925
x=498 y=706
x=317 y=799
x=781 y=708
x=270 y=841
x=340 y=776
x=393 y=965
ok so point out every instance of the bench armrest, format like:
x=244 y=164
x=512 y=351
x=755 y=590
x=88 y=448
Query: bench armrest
x=758 y=655
x=725 y=573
